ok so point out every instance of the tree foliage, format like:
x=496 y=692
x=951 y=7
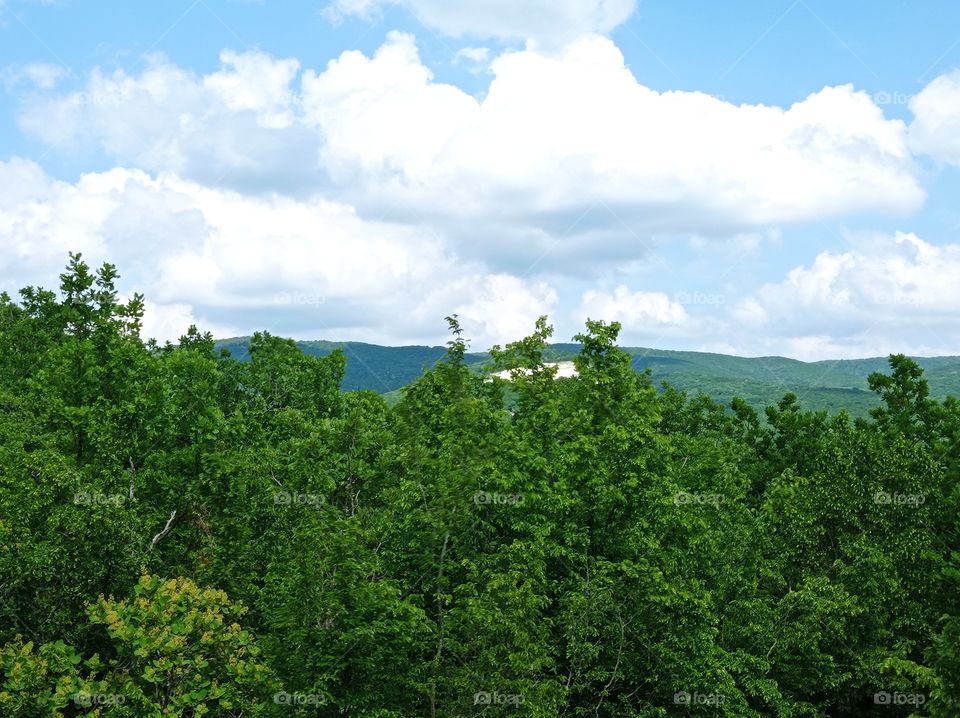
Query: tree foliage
x=186 y=534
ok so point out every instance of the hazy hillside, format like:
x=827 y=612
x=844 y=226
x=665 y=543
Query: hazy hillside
x=369 y=366
x=831 y=385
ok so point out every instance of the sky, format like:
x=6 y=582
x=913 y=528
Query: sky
x=766 y=177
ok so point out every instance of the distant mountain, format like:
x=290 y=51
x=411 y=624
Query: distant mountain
x=832 y=384
x=762 y=381
x=369 y=366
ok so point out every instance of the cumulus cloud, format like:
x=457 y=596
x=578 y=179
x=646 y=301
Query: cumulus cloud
x=233 y=127
x=22 y=181
x=889 y=294
x=501 y=306
x=255 y=81
x=314 y=268
x=382 y=117
x=555 y=134
x=935 y=129
x=477 y=59
x=42 y=75
x=233 y=264
x=639 y=312
x=545 y=21
x=168 y=322
x=556 y=137
x=750 y=312
x=366 y=200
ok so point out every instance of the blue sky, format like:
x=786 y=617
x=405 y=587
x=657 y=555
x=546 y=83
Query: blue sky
x=767 y=178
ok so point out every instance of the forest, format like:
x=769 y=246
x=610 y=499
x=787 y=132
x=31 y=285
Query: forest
x=183 y=533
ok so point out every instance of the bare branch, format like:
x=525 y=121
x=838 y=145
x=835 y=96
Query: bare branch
x=133 y=477
x=166 y=529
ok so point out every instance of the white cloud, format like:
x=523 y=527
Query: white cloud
x=383 y=117
x=887 y=294
x=367 y=200
x=556 y=138
x=233 y=264
x=935 y=129
x=561 y=134
x=545 y=21
x=255 y=81
x=233 y=127
x=477 y=59
x=42 y=75
x=22 y=181
x=473 y=54
x=636 y=311
x=314 y=268
x=500 y=306
x=749 y=311
x=169 y=322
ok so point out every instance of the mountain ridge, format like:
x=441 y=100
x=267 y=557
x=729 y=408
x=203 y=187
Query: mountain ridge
x=828 y=384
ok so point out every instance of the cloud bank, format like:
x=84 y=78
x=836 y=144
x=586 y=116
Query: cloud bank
x=555 y=136
x=548 y=22
x=366 y=200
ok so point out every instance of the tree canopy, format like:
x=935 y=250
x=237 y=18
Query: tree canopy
x=186 y=534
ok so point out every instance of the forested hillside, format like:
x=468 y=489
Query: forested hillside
x=835 y=385
x=186 y=534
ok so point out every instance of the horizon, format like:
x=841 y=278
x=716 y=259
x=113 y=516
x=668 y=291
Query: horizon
x=470 y=350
